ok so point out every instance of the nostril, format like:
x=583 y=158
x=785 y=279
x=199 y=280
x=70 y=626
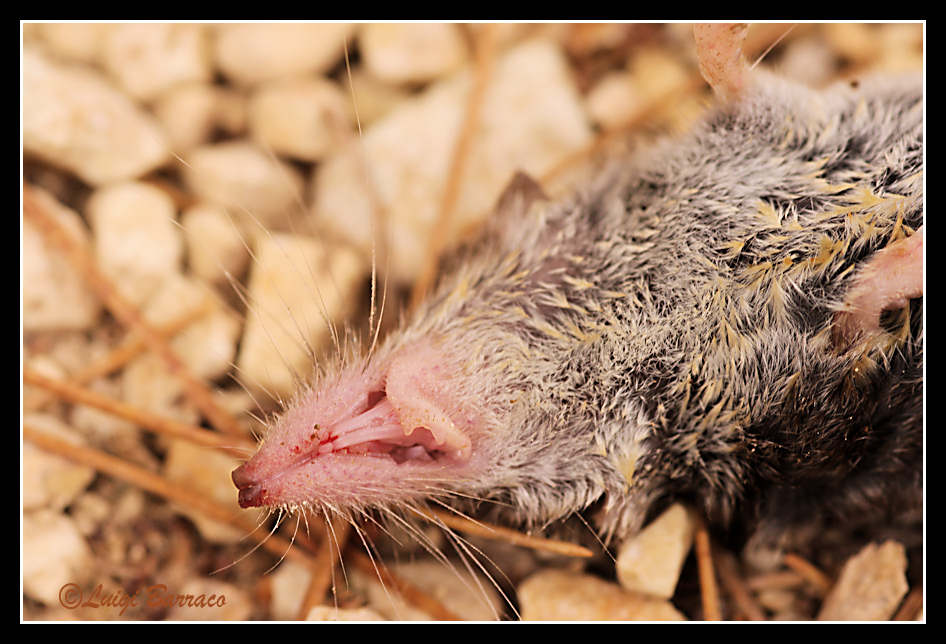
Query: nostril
x=251 y=496
x=241 y=477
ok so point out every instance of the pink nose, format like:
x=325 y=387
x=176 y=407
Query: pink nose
x=251 y=493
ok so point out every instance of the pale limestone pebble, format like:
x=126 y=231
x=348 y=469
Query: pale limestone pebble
x=74 y=118
x=137 y=242
x=206 y=472
x=650 y=562
x=470 y=597
x=77 y=41
x=809 y=60
x=371 y=98
x=251 y=53
x=53 y=554
x=777 y=600
x=585 y=39
x=659 y=76
x=302 y=118
x=216 y=249
x=191 y=113
x=245 y=179
x=510 y=33
x=555 y=595
x=901 y=48
x=401 y=52
x=149 y=58
x=614 y=100
x=148 y=385
x=205 y=599
x=51 y=481
x=76 y=350
x=295 y=285
x=55 y=295
x=531 y=119
x=89 y=512
x=207 y=345
x=333 y=614
x=855 y=41
x=98 y=425
x=871 y=585
x=35 y=397
x=129 y=506
x=288 y=586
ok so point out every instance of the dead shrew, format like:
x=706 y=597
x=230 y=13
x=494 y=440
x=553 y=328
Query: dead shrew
x=733 y=318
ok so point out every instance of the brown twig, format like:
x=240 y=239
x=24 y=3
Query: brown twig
x=232 y=445
x=126 y=313
x=485 y=54
x=735 y=585
x=325 y=560
x=775 y=580
x=133 y=345
x=709 y=593
x=490 y=531
x=811 y=573
x=154 y=483
x=910 y=608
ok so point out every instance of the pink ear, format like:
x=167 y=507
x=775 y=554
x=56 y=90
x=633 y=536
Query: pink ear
x=891 y=277
x=719 y=50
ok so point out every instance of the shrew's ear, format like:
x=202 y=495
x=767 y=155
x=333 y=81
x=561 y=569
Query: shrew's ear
x=719 y=51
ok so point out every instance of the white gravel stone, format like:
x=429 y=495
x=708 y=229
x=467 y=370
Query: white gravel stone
x=137 y=243
x=50 y=481
x=215 y=245
x=808 y=60
x=244 y=178
x=531 y=119
x=288 y=586
x=206 y=472
x=207 y=345
x=191 y=113
x=149 y=58
x=54 y=554
x=650 y=562
x=303 y=118
x=411 y=52
x=77 y=41
x=553 y=595
x=372 y=98
x=871 y=585
x=614 y=100
x=252 y=53
x=34 y=397
x=55 y=295
x=98 y=425
x=468 y=597
x=74 y=118
x=208 y=600
x=295 y=284
x=332 y=614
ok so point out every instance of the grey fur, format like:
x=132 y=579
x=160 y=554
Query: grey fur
x=667 y=332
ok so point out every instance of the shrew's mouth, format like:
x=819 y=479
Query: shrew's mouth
x=364 y=432
x=377 y=430
x=406 y=431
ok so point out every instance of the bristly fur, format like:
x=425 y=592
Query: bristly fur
x=667 y=333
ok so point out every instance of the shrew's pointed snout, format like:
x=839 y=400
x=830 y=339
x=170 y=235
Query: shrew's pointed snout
x=251 y=492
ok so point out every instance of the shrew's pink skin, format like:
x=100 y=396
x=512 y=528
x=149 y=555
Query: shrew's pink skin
x=386 y=433
x=719 y=50
x=888 y=281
